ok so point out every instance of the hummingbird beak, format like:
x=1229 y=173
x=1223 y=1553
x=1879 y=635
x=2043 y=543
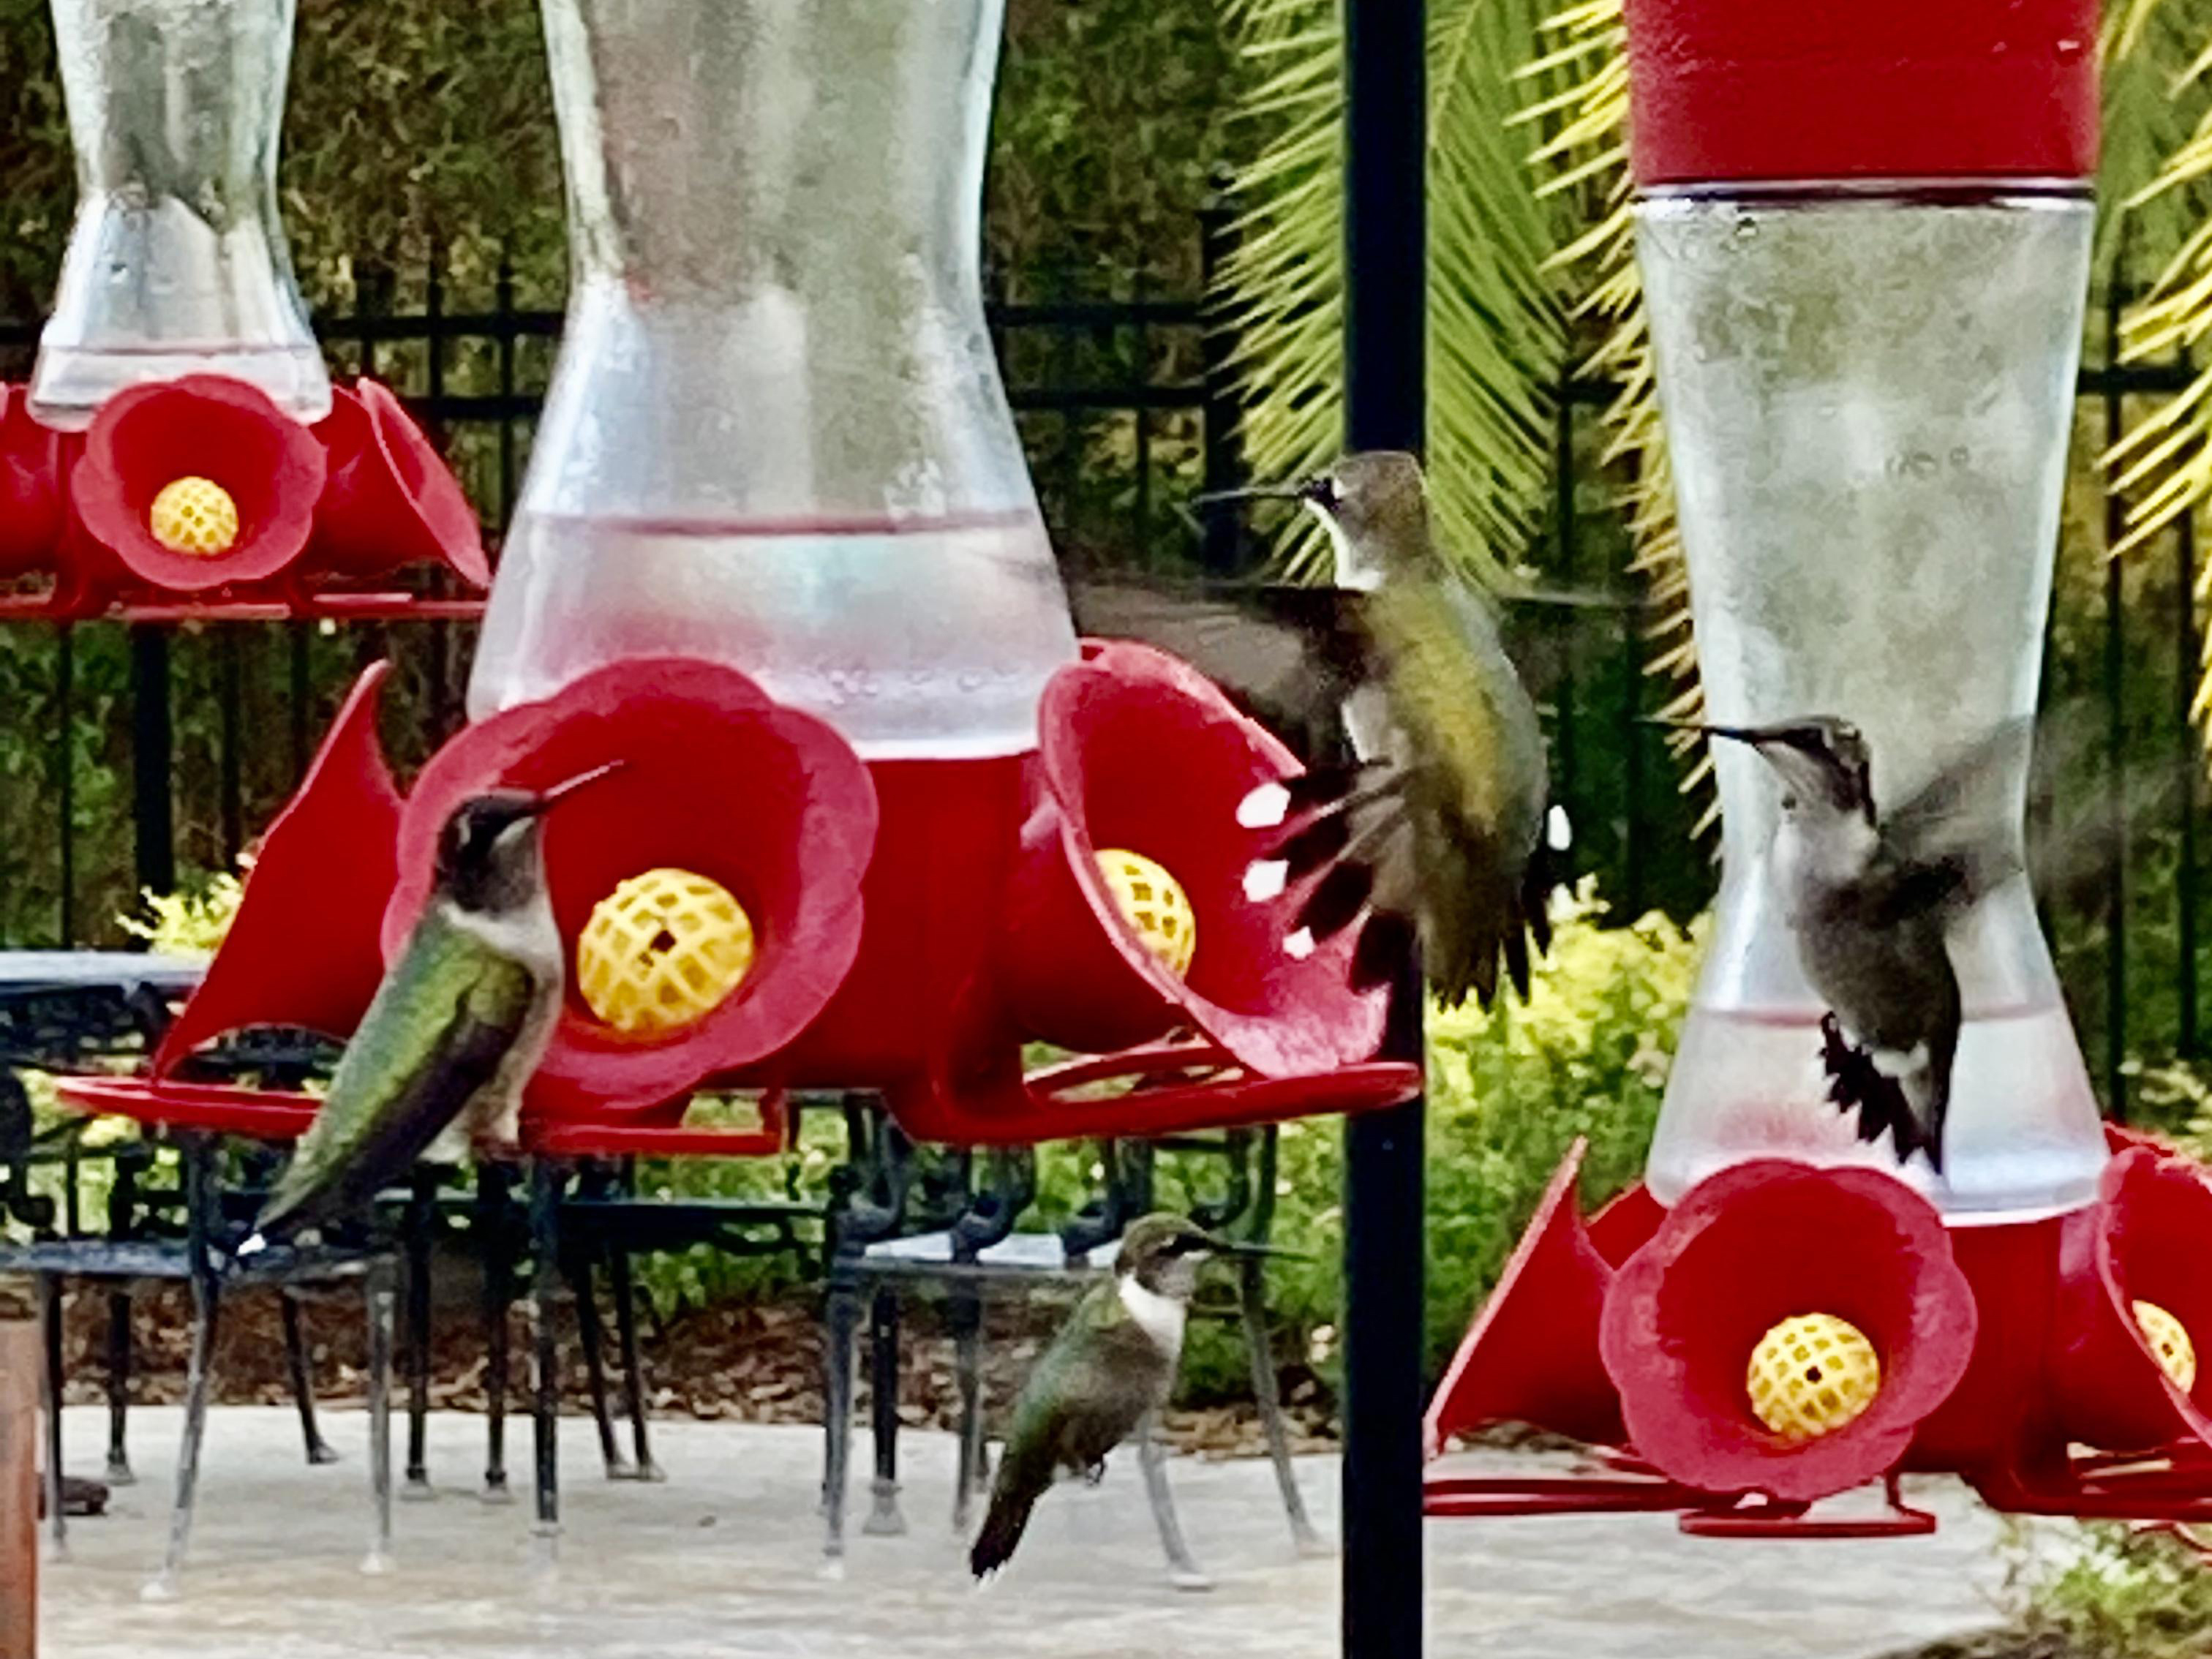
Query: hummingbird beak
x=1236 y=1249
x=1309 y=489
x=1751 y=734
x=551 y=797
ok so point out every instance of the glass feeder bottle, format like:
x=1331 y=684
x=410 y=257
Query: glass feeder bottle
x=176 y=262
x=776 y=435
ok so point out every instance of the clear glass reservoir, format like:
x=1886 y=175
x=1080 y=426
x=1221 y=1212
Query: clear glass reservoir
x=176 y=262
x=1867 y=398
x=776 y=435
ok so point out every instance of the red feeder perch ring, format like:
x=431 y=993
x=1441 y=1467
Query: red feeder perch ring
x=2144 y=1242
x=717 y=779
x=198 y=426
x=1141 y=753
x=1746 y=1249
x=390 y=500
x=30 y=489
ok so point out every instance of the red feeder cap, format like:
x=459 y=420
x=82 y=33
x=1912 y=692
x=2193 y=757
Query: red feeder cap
x=1752 y=91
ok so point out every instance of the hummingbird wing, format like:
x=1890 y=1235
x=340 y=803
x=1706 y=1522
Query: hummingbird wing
x=1288 y=655
x=446 y=1016
x=1087 y=1394
x=1953 y=839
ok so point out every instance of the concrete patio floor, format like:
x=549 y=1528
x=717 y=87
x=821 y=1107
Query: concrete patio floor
x=725 y=1560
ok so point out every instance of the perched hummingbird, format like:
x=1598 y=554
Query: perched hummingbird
x=1112 y=1364
x=1436 y=832
x=1871 y=896
x=456 y=1029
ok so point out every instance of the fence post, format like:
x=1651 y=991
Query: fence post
x=152 y=759
x=1223 y=550
x=2115 y=647
x=20 y=1364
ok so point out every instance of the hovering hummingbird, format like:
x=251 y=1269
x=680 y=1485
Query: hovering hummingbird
x=1871 y=896
x=456 y=1029
x=1112 y=1364
x=1436 y=832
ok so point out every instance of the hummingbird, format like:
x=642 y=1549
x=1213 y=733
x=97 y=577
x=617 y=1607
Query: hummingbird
x=1871 y=896
x=456 y=1029
x=1434 y=833
x=1110 y=1366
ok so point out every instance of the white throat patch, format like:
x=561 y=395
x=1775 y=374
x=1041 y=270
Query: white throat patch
x=1160 y=1317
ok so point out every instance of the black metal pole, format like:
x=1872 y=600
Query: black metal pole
x=1385 y=404
x=152 y=759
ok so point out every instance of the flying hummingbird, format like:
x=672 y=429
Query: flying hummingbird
x=456 y=1029
x=1435 y=833
x=1871 y=896
x=1112 y=1365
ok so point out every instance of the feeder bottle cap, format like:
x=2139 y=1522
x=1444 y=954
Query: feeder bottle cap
x=1756 y=91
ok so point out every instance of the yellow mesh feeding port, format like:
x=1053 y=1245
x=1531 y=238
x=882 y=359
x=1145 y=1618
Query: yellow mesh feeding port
x=2169 y=1339
x=196 y=516
x=661 y=951
x=1154 y=903
x=1812 y=1374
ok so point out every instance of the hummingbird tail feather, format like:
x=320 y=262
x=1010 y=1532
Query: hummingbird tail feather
x=1003 y=1527
x=1385 y=941
x=1856 y=1083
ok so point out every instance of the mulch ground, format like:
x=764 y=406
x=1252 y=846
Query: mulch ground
x=742 y=1363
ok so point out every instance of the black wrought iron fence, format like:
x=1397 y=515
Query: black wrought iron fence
x=129 y=756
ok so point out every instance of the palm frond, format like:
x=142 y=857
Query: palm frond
x=1497 y=330
x=2158 y=165
x=1582 y=150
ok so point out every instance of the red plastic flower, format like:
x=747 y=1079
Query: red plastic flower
x=2145 y=1240
x=198 y=426
x=717 y=779
x=1141 y=753
x=1751 y=1247
x=391 y=499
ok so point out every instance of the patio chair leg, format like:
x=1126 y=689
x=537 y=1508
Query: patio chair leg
x=421 y=1213
x=843 y=1317
x=884 y=1520
x=493 y=1188
x=207 y=1306
x=50 y=1320
x=319 y=1450
x=1183 y=1571
x=966 y=1313
x=1252 y=1292
x=545 y=1183
x=382 y=1298
x=642 y=1466
x=119 y=1389
x=583 y=1286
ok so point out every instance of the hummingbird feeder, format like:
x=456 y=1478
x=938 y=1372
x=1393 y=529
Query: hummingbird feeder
x=179 y=435
x=1865 y=233
x=778 y=550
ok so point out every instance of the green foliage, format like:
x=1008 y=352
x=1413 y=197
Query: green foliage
x=2128 y=1594
x=1509 y=1090
x=191 y=923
